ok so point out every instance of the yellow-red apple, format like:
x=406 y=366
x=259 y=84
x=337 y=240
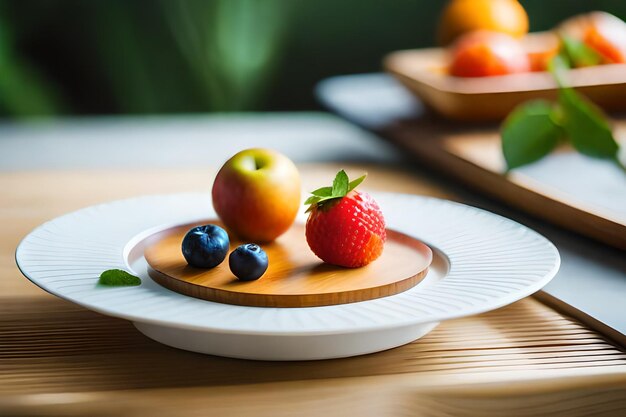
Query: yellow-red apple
x=257 y=194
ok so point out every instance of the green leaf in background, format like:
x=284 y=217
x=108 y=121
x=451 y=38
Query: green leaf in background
x=558 y=67
x=231 y=46
x=118 y=278
x=586 y=126
x=529 y=133
x=532 y=130
x=579 y=54
x=24 y=91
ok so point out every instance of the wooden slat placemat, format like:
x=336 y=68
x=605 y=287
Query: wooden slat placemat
x=59 y=347
x=57 y=358
x=51 y=347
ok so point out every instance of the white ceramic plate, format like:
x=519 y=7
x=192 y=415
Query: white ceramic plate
x=482 y=261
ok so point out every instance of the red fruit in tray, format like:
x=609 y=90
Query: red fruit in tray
x=345 y=227
x=607 y=35
x=601 y=31
x=541 y=49
x=484 y=54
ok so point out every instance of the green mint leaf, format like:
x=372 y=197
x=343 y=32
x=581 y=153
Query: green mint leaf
x=323 y=192
x=340 y=184
x=586 y=126
x=529 y=133
x=355 y=183
x=323 y=199
x=320 y=201
x=118 y=278
x=579 y=54
x=317 y=203
x=312 y=200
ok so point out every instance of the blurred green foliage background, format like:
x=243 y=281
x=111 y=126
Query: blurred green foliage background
x=160 y=56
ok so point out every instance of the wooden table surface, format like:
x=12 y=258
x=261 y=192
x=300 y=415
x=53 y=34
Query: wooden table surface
x=59 y=359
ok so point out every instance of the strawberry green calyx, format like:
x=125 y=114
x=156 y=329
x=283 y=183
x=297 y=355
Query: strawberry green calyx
x=340 y=188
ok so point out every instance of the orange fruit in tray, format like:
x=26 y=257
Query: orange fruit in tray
x=462 y=16
x=483 y=54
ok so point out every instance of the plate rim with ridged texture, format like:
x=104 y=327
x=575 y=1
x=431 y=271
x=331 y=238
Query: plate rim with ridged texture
x=492 y=261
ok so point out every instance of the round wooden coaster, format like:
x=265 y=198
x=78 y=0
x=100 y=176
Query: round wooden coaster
x=295 y=276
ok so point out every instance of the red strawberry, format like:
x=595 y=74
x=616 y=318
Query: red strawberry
x=345 y=227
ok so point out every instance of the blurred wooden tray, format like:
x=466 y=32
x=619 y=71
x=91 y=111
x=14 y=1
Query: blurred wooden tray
x=423 y=71
x=583 y=194
x=579 y=193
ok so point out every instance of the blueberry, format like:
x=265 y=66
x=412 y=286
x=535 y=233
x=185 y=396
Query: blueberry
x=248 y=262
x=205 y=246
